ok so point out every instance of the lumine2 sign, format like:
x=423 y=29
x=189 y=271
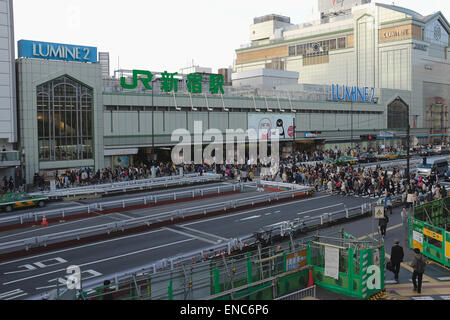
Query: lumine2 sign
x=170 y=83
x=56 y=51
x=352 y=94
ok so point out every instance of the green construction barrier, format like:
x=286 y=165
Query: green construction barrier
x=354 y=282
x=427 y=230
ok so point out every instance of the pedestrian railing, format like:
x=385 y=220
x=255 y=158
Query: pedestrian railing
x=300 y=295
x=109 y=205
x=147 y=220
x=162 y=182
x=282 y=229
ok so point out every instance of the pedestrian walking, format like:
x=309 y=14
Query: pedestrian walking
x=383 y=225
x=388 y=204
x=397 y=256
x=418 y=264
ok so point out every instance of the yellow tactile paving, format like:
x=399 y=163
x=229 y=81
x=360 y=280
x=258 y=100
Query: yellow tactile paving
x=428 y=289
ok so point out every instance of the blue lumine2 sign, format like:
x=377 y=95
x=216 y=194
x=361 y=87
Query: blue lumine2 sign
x=352 y=94
x=56 y=51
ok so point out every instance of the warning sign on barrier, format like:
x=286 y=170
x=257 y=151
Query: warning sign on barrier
x=296 y=260
x=379 y=212
x=447 y=245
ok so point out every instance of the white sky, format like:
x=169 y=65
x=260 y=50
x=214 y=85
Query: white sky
x=164 y=35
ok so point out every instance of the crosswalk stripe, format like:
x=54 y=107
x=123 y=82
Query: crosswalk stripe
x=423 y=298
x=5 y=295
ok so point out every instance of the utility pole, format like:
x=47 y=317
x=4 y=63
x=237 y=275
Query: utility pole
x=408 y=141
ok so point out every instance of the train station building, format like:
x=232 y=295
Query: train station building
x=327 y=84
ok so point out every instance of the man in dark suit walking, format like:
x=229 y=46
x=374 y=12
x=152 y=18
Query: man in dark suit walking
x=397 y=255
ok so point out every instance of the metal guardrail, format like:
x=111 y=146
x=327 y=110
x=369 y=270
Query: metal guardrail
x=227 y=247
x=108 y=228
x=300 y=295
x=130 y=185
x=107 y=205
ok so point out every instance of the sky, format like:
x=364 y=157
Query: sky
x=165 y=35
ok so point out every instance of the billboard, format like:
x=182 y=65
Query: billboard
x=266 y=126
x=327 y=6
x=56 y=51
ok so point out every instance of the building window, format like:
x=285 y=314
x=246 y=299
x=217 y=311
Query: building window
x=333 y=44
x=397 y=116
x=342 y=43
x=292 y=51
x=65 y=130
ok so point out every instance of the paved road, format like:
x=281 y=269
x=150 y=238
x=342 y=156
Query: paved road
x=22 y=278
x=66 y=204
x=99 y=219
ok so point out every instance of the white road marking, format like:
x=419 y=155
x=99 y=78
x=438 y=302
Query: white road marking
x=50 y=227
x=423 y=298
x=10 y=293
x=306 y=217
x=390 y=281
x=102 y=260
x=318 y=209
x=268 y=214
x=121 y=215
x=249 y=218
x=254 y=210
x=189 y=235
x=444 y=278
x=205 y=233
x=445 y=297
x=81 y=247
x=15 y=297
x=63 y=281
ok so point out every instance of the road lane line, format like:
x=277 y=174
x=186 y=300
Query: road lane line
x=249 y=218
x=50 y=227
x=205 y=233
x=15 y=297
x=318 y=209
x=81 y=247
x=255 y=210
x=189 y=235
x=102 y=260
x=10 y=293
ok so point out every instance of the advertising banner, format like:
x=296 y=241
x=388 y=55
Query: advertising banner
x=332 y=262
x=447 y=245
x=56 y=51
x=418 y=234
x=266 y=126
x=296 y=260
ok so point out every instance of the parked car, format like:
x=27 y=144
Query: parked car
x=387 y=156
x=11 y=201
x=447 y=175
x=440 y=150
x=402 y=155
x=367 y=157
x=438 y=166
x=426 y=152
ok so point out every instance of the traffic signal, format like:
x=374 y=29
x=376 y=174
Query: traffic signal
x=368 y=137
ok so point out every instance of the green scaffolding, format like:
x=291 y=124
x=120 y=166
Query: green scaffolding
x=429 y=230
x=355 y=261
x=257 y=273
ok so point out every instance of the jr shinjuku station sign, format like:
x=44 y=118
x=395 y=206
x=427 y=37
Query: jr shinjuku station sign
x=169 y=82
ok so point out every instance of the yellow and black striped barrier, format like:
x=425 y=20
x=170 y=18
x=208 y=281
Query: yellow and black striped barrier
x=379 y=295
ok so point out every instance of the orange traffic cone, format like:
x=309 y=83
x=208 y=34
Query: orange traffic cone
x=311 y=280
x=44 y=222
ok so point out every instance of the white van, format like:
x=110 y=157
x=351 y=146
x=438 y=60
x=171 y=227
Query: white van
x=438 y=166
